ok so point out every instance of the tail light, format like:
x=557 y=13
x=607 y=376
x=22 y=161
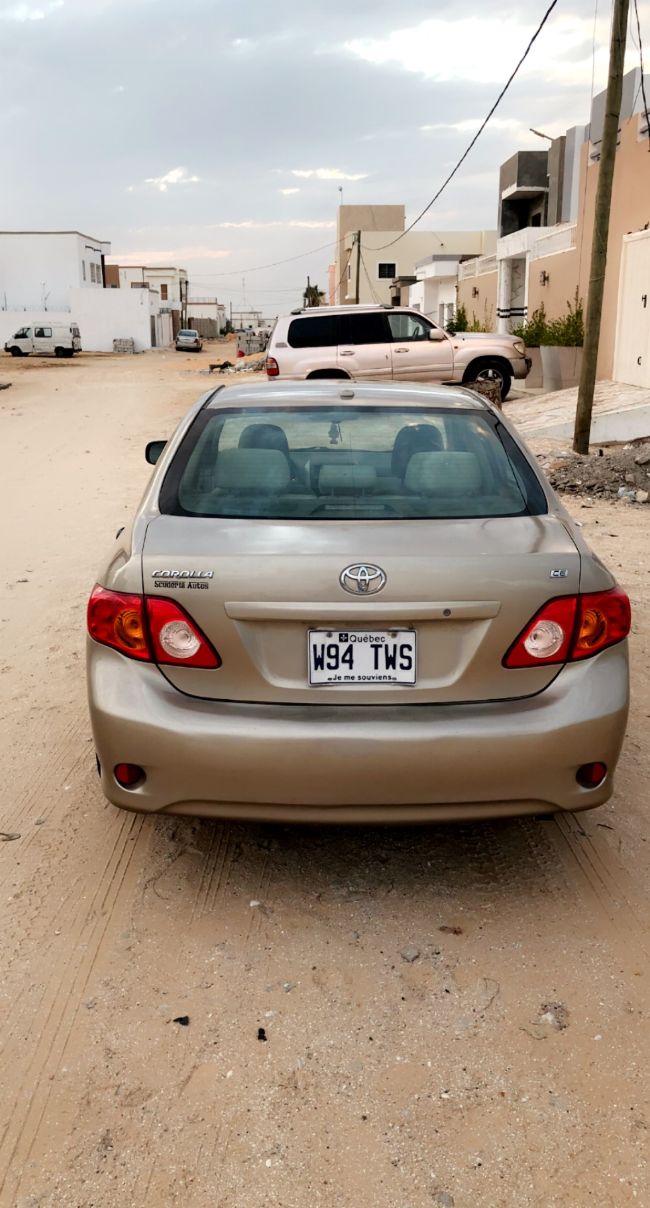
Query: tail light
x=570 y=628
x=149 y=629
x=272 y=367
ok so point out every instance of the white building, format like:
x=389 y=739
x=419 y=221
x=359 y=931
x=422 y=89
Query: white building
x=170 y=283
x=206 y=314
x=39 y=268
x=61 y=276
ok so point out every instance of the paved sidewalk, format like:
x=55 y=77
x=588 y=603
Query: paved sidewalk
x=621 y=413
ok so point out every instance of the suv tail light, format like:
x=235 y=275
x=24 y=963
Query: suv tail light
x=272 y=367
x=149 y=629
x=570 y=628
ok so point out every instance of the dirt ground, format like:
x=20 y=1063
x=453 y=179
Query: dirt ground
x=454 y=1016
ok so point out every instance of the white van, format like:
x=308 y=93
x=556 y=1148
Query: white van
x=62 y=339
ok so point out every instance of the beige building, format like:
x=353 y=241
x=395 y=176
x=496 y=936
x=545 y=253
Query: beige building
x=546 y=224
x=386 y=266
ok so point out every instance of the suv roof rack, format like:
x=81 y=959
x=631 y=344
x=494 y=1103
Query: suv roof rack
x=308 y=310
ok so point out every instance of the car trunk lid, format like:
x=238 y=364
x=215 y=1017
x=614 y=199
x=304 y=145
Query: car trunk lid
x=466 y=588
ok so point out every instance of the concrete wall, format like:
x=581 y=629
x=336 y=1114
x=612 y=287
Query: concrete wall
x=112 y=314
x=483 y=307
x=562 y=270
x=38 y=268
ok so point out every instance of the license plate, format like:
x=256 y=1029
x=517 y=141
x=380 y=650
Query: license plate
x=362 y=656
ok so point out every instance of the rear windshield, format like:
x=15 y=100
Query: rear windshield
x=317 y=463
x=188 y=332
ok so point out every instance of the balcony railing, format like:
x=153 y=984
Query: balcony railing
x=561 y=240
x=477 y=267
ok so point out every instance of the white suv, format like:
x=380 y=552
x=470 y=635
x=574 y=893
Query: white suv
x=372 y=342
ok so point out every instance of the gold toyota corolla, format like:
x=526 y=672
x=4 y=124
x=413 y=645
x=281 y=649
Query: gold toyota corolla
x=354 y=603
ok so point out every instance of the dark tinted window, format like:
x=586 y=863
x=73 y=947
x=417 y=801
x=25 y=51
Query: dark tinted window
x=387 y=270
x=369 y=327
x=317 y=332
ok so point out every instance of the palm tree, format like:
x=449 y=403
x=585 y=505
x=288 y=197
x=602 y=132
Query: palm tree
x=313 y=296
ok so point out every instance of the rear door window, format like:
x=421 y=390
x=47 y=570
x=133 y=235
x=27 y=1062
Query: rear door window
x=317 y=332
x=369 y=327
x=321 y=463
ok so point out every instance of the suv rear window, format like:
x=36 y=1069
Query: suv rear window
x=317 y=332
x=321 y=463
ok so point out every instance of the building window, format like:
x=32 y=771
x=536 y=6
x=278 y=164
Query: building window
x=92 y=272
x=349 y=272
x=163 y=292
x=83 y=269
x=386 y=271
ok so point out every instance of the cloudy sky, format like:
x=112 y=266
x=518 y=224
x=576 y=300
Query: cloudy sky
x=217 y=135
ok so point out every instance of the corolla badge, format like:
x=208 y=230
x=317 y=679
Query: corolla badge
x=362 y=579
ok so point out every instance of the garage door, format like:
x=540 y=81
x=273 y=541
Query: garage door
x=632 y=355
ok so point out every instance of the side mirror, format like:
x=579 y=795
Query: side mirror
x=437 y=334
x=154 y=450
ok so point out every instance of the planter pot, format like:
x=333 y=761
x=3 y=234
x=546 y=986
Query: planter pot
x=534 y=381
x=560 y=367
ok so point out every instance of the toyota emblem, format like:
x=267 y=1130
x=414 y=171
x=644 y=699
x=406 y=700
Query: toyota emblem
x=362 y=579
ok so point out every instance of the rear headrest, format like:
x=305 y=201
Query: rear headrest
x=443 y=474
x=334 y=480
x=264 y=436
x=413 y=438
x=256 y=471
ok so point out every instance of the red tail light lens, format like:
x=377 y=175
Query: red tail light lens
x=177 y=641
x=547 y=638
x=591 y=775
x=161 y=632
x=272 y=367
x=129 y=775
x=569 y=628
x=116 y=619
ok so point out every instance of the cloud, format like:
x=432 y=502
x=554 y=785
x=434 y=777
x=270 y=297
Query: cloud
x=288 y=192
x=475 y=48
x=167 y=255
x=25 y=12
x=177 y=176
x=328 y=174
x=250 y=224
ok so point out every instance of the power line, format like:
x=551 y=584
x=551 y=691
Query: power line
x=643 y=92
x=478 y=134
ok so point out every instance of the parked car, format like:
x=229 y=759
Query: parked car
x=188 y=340
x=384 y=342
x=354 y=603
x=43 y=339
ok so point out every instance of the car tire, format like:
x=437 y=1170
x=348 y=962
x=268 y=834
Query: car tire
x=489 y=370
x=59 y=352
x=16 y=352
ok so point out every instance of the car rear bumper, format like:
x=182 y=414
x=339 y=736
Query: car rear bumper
x=356 y=763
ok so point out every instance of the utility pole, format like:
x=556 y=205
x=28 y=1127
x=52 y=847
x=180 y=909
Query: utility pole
x=582 y=429
x=356 y=287
x=307 y=293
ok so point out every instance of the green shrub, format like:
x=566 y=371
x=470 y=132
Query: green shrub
x=565 y=332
